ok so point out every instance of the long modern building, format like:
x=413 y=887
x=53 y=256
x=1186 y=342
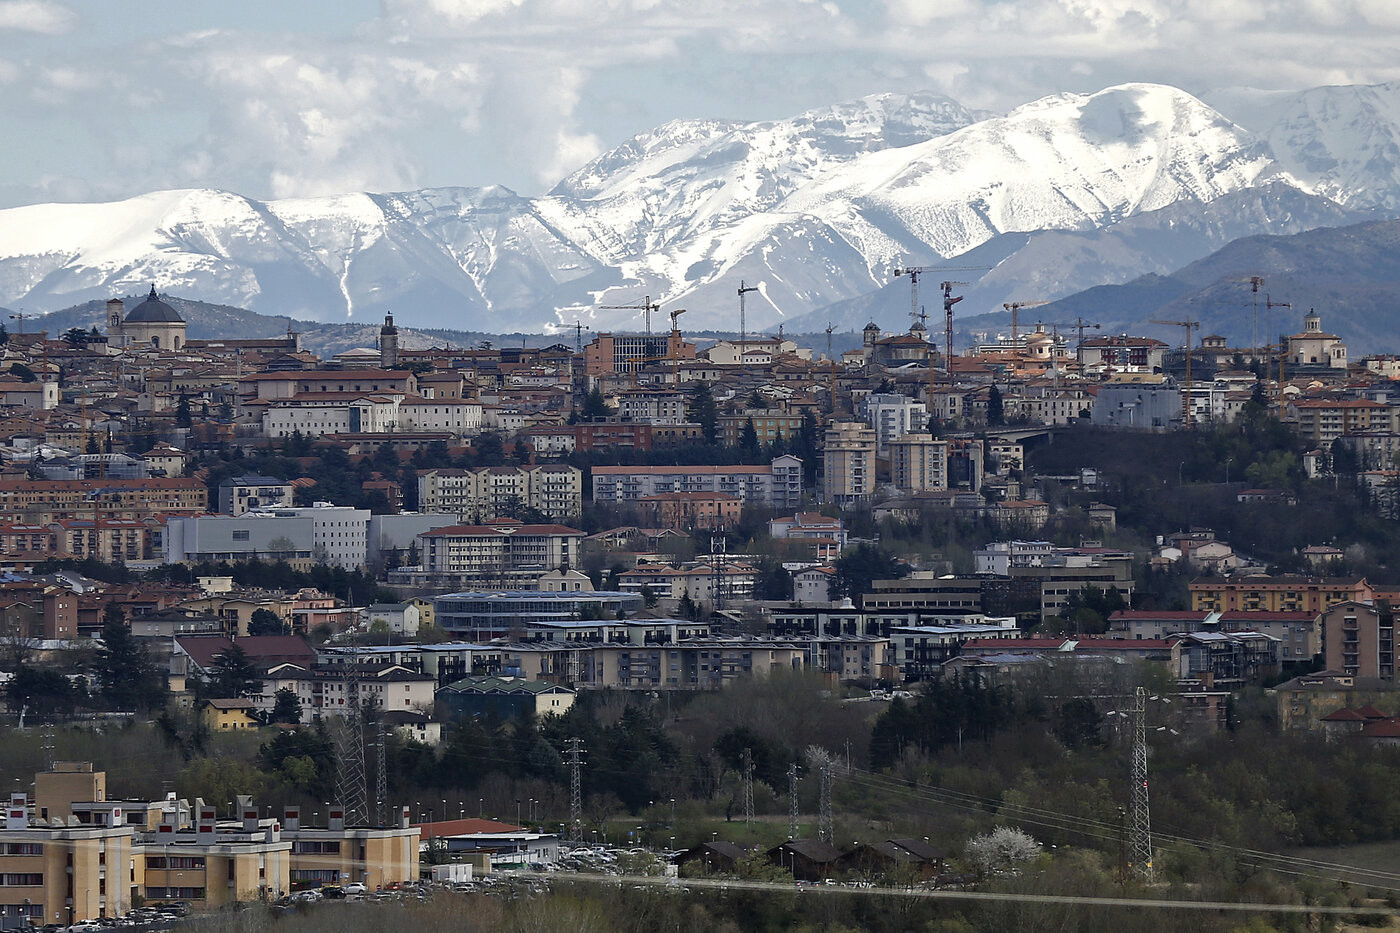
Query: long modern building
x=779 y=484
x=485 y=615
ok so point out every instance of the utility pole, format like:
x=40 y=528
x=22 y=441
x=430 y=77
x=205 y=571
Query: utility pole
x=825 y=828
x=381 y=779
x=48 y=747
x=743 y=329
x=792 y=801
x=1140 y=841
x=831 y=368
x=576 y=750
x=748 y=785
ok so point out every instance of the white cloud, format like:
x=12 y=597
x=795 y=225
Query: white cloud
x=36 y=16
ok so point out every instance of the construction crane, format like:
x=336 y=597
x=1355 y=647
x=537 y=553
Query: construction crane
x=1015 y=308
x=743 y=331
x=1254 y=282
x=1270 y=305
x=831 y=367
x=578 y=327
x=1190 y=325
x=646 y=306
x=1081 y=325
x=948 y=302
x=673 y=348
x=916 y=311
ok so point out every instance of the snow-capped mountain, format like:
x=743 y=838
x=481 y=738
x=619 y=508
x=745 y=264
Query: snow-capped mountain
x=816 y=210
x=1343 y=142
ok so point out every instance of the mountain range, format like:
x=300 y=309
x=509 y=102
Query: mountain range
x=1060 y=195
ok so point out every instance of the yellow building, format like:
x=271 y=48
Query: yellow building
x=59 y=873
x=212 y=864
x=229 y=715
x=338 y=854
x=67 y=781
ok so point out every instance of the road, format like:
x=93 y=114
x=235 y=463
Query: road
x=952 y=895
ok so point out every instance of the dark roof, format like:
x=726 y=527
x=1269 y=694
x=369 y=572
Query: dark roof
x=814 y=850
x=263 y=650
x=153 y=311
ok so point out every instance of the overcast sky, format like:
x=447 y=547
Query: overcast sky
x=105 y=99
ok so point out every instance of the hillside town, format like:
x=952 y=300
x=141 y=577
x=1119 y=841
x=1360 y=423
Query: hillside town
x=238 y=535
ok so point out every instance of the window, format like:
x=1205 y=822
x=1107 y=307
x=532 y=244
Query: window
x=240 y=536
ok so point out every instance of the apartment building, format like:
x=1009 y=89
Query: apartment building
x=918 y=463
x=1277 y=594
x=41 y=501
x=892 y=416
x=250 y=491
x=1321 y=421
x=778 y=484
x=499 y=549
x=1358 y=639
x=848 y=462
x=499 y=492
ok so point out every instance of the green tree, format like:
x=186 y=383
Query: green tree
x=858 y=566
x=266 y=622
x=286 y=707
x=233 y=674
x=129 y=677
x=75 y=337
x=595 y=406
x=23 y=372
x=42 y=692
x=702 y=410
x=996 y=414
x=748 y=438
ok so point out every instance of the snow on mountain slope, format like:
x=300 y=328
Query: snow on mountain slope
x=1073 y=161
x=816 y=210
x=689 y=177
x=1344 y=142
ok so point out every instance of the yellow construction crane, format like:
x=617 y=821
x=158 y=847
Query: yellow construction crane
x=1190 y=325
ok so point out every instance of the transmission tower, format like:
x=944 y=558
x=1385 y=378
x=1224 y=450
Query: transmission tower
x=820 y=758
x=381 y=780
x=1140 y=835
x=575 y=750
x=792 y=801
x=350 y=774
x=748 y=785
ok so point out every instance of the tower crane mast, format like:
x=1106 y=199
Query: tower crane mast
x=1189 y=325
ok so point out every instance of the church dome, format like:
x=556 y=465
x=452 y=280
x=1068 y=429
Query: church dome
x=153 y=311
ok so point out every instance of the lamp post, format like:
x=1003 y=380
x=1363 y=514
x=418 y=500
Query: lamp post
x=480 y=807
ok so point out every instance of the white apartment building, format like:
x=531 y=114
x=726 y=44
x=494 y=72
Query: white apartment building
x=778 y=484
x=892 y=416
x=317 y=413
x=651 y=406
x=495 y=492
x=460 y=416
x=499 y=549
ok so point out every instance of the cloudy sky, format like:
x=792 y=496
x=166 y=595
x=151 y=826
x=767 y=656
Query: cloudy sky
x=283 y=98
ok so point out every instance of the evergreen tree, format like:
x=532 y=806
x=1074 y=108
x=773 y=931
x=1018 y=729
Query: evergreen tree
x=748 y=438
x=702 y=410
x=996 y=416
x=595 y=406
x=265 y=622
x=862 y=564
x=130 y=678
x=183 y=418
x=233 y=674
x=287 y=707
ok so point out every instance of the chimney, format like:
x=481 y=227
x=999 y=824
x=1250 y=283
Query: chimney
x=404 y=818
x=206 y=826
x=335 y=821
x=291 y=819
x=17 y=816
x=249 y=812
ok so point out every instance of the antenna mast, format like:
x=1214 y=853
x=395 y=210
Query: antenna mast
x=1140 y=841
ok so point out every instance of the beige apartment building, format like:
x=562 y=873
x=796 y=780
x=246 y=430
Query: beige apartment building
x=849 y=462
x=918 y=463
x=499 y=492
